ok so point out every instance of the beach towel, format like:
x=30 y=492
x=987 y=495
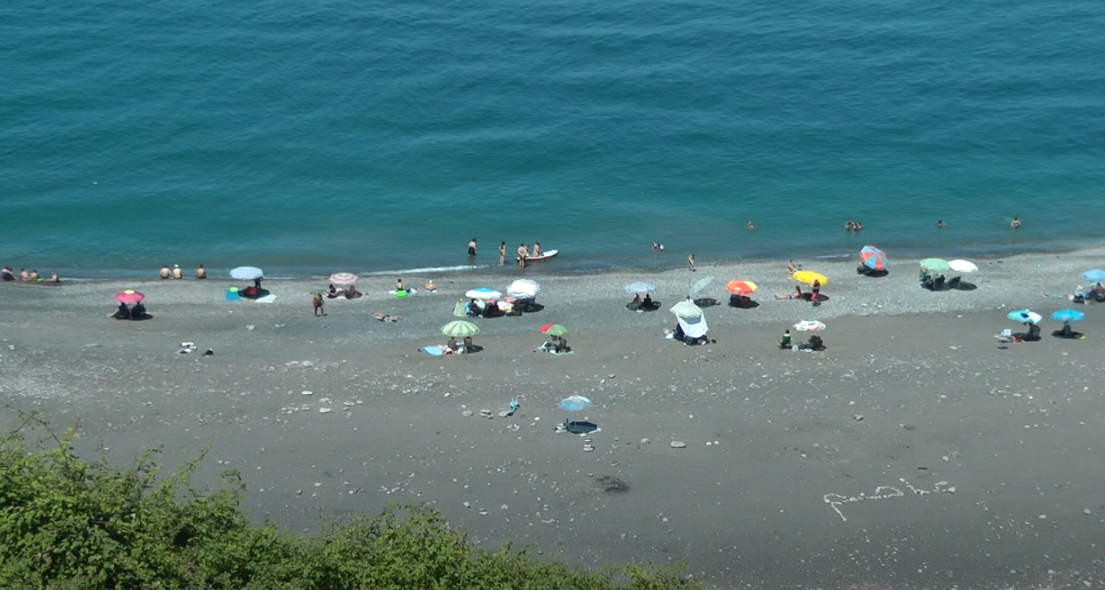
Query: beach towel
x=433 y=350
x=459 y=309
x=266 y=299
x=697 y=329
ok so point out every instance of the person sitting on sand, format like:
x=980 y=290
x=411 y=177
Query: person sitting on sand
x=54 y=278
x=7 y=274
x=351 y=292
x=1066 y=332
x=122 y=313
x=473 y=308
x=635 y=304
x=165 y=272
x=332 y=293
x=201 y=273
x=1033 y=333
x=646 y=303
x=24 y=275
x=562 y=345
x=177 y=273
x=785 y=341
x=138 y=311
x=816 y=343
x=451 y=346
x=34 y=275
x=430 y=286
x=399 y=288
x=468 y=346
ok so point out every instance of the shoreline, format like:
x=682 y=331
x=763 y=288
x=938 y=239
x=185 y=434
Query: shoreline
x=561 y=267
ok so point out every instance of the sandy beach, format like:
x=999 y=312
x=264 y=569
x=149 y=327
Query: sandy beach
x=915 y=452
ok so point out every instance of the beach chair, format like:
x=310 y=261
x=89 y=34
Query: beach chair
x=1006 y=336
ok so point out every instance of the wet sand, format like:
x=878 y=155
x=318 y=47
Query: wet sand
x=914 y=453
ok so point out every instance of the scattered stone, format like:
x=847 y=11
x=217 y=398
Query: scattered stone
x=645 y=441
x=307 y=364
x=817 y=445
x=483 y=513
x=325 y=410
x=675 y=444
x=251 y=327
x=504 y=507
x=1042 y=517
x=318 y=484
x=1087 y=512
x=486 y=413
x=944 y=458
x=467 y=504
x=504 y=413
x=857 y=417
x=611 y=375
x=608 y=484
x=951 y=490
x=306 y=393
x=909 y=427
x=466 y=413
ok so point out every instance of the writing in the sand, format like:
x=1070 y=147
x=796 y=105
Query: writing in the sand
x=835 y=501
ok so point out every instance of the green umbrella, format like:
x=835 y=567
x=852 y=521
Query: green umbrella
x=935 y=265
x=554 y=330
x=460 y=329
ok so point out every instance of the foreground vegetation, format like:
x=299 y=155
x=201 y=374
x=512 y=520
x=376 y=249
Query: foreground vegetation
x=66 y=524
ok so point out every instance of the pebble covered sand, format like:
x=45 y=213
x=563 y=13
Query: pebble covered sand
x=914 y=452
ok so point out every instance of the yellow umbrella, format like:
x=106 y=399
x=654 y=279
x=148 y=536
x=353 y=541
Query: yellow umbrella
x=808 y=277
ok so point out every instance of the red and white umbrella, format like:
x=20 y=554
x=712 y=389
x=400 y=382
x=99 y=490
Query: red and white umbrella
x=809 y=326
x=343 y=278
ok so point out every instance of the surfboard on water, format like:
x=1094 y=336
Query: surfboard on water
x=547 y=255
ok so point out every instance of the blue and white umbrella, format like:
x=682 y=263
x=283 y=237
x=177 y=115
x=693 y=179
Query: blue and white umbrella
x=1095 y=276
x=1024 y=316
x=1068 y=315
x=575 y=403
x=247 y=273
x=639 y=288
x=483 y=293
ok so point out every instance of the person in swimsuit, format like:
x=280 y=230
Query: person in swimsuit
x=54 y=278
x=24 y=275
x=751 y=226
x=201 y=273
x=472 y=247
x=858 y=227
x=523 y=254
x=319 y=305
x=34 y=275
x=816 y=290
x=502 y=253
x=7 y=274
x=791 y=269
x=332 y=293
x=849 y=226
x=177 y=273
x=940 y=224
x=690 y=262
x=165 y=272
x=536 y=249
x=1016 y=222
x=399 y=286
x=795 y=294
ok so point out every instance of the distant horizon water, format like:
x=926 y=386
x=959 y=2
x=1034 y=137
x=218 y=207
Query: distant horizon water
x=377 y=139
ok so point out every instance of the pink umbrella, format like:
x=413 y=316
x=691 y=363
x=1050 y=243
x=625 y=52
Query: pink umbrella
x=343 y=278
x=129 y=296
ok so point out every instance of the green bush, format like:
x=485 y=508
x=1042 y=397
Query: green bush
x=67 y=524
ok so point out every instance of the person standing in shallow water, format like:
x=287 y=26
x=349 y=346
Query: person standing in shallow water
x=523 y=254
x=1016 y=222
x=472 y=247
x=319 y=305
x=849 y=226
x=502 y=253
x=690 y=262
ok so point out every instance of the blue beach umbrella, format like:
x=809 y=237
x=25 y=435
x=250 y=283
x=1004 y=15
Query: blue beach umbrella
x=1096 y=276
x=1068 y=315
x=639 y=287
x=1024 y=316
x=873 y=258
x=483 y=293
x=575 y=403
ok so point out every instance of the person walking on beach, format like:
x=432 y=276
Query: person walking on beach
x=319 y=305
x=502 y=253
x=177 y=273
x=690 y=262
x=1016 y=222
x=201 y=273
x=523 y=254
x=472 y=247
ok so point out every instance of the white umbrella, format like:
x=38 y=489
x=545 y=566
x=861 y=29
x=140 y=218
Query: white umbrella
x=809 y=326
x=639 y=287
x=693 y=327
x=343 y=278
x=686 y=309
x=483 y=293
x=962 y=266
x=523 y=289
x=247 y=273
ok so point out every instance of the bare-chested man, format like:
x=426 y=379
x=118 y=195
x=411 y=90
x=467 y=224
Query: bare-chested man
x=523 y=254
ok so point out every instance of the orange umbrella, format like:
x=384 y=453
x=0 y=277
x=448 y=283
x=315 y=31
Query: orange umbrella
x=741 y=287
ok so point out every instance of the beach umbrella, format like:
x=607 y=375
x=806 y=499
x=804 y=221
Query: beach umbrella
x=686 y=309
x=808 y=277
x=962 y=266
x=460 y=329
x=1068 y=315
x=873 y=258
x=483 y=293
x=523 y=289
x=554 y=330
x=1024 y=316
x=639 y=288
x=343 y=278
x=575 y=403
x=809 y=326
x=129 y=296
x=247 y=273
x=741 y=287
x=700 y=285
x=1094 y=276
x=935 y=265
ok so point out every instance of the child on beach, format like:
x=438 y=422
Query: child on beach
x=318 y=305
x=690 y=262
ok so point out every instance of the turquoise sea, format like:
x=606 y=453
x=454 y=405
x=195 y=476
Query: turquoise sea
x=335 y=135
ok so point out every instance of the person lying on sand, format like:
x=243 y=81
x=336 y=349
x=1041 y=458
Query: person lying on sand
x=386 y=317
x=351 y=292
x=795 y=294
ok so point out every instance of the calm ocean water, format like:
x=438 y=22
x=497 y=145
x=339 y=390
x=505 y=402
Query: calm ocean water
x=312 y=137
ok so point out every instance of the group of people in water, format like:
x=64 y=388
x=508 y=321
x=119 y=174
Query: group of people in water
x=7 y=274
x=176 y=273
x=523 y=251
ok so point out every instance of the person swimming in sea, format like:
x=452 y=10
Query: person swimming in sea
x=940 y=223
x=1016 y=222
x=849 y=226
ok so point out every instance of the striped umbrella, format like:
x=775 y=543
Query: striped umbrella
x=873 y=258
x=343 y=278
